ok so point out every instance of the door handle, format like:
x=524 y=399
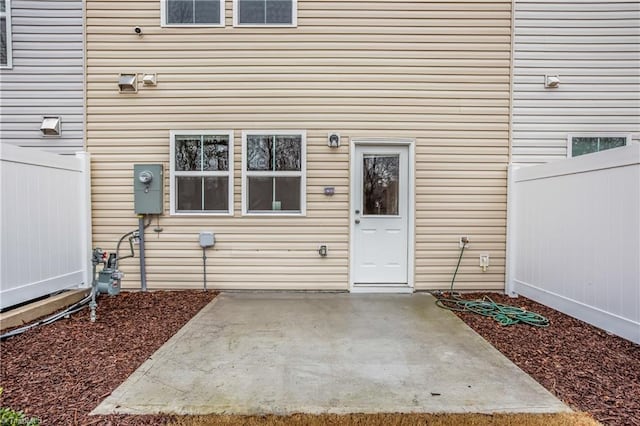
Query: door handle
x=357 y=221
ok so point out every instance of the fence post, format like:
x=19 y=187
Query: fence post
x=510 y=261
x=85 y=207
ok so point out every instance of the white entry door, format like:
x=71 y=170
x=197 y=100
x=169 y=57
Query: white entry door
x=380 y=215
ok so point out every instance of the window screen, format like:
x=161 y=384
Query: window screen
x=265 y=12
x=185 y=12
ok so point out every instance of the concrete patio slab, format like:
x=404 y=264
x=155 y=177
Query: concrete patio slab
x=281 y=353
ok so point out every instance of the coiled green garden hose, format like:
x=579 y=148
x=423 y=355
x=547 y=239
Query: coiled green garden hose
x=502 y=313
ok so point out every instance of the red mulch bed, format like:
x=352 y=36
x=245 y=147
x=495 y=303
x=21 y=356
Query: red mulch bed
x=587 y=368
x=61 y=372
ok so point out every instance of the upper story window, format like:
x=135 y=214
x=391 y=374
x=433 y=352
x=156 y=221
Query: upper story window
x=201 y=172
x=209 y=13
x=5 y=34
x=273 y=172
x=586 y=144
x=277 y=13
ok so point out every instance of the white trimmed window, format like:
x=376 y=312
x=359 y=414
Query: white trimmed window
x=276 y=13
x=201 y=168
x=204 y=13
x=5 y=34
x=588 y=143
x=274 y=172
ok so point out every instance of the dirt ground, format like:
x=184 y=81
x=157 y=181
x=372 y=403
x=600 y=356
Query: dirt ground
x=395 y=419
x=60 y=372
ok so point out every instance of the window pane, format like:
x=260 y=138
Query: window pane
x=583 y=145
x=251 y=12
x=188 y=153
x=179 y=11
x=216 y=153
x=189 y=193
x=288 y=153
x=612 y=142
x=274 y=193
x=259 y=153
x=380 y=184
x=207 y=12
x=3 y=41
x=3 y=6
x=216 y=193
x=260 y=195
x=288 y=193
x=279 y=12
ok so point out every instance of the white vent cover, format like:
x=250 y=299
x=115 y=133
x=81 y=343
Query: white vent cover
x=50 y=126
x=128 y=83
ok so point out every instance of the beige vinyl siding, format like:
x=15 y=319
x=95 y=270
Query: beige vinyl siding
x=437 y=72
x=46 y=78
x=595 y=48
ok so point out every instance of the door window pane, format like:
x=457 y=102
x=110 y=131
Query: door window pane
x=380 y=190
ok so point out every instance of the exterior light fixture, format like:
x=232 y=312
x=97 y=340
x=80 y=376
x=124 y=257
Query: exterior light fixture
x=149 y=80
x=128 y=83
x=333 y=140
x=551 y=81
x=50 y=126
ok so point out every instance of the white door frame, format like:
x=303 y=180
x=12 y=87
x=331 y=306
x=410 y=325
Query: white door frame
x=391 y=142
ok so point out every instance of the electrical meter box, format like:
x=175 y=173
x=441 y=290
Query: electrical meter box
x=148 y=186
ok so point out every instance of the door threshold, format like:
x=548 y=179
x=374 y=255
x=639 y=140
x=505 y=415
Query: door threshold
x=382 y=288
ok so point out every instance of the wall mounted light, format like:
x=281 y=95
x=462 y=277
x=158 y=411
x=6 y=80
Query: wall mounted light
x=51 y=126
x=149 y=80
x=128 y=83
x=551 y=81
x=333 y=140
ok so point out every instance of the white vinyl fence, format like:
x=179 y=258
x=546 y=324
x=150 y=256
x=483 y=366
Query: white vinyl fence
x=574 y=237
x=45 y=223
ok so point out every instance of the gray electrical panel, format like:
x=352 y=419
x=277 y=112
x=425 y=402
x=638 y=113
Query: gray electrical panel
x=148 y=186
